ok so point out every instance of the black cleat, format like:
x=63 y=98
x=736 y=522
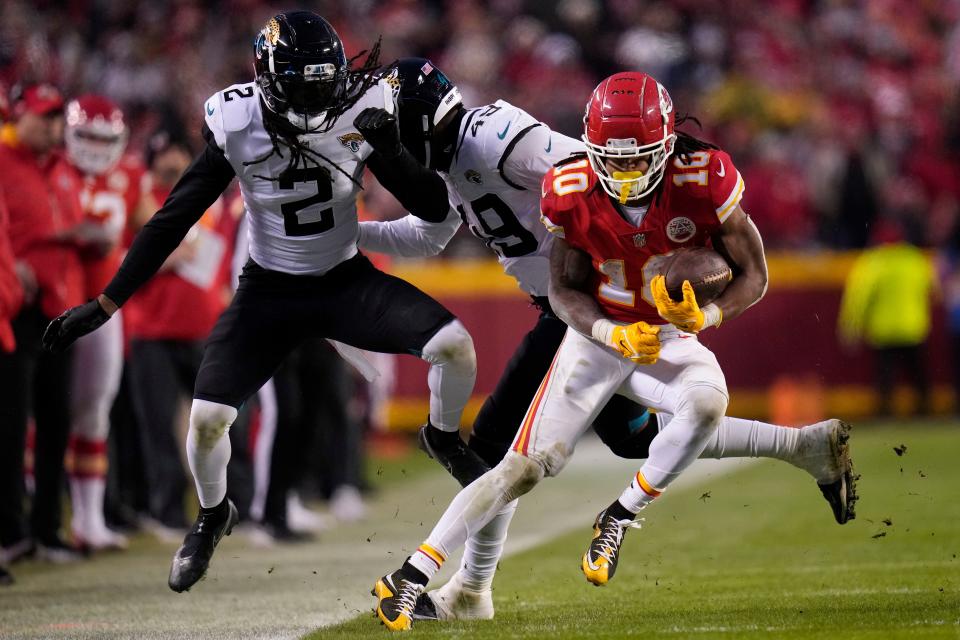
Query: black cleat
x=193 y=557
x=842 y=492
x=452 y=452
x=425 y=609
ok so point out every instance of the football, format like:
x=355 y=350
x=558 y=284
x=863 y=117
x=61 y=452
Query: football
x=706 y=270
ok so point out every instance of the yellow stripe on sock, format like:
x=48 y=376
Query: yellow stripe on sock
x=432 y=553
x=648 y=488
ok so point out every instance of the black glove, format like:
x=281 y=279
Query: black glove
x=381 y=130
x=73 y=323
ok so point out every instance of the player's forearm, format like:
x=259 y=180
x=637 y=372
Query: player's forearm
x=421 y=191
x=569 y=278
x=199 y=188
x=407 y=237
x=744 y=291
x=576 y=308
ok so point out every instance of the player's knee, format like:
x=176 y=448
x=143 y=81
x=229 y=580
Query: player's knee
x=210 y=421
x=519 y=474
x=452 y=346
x=705 y=405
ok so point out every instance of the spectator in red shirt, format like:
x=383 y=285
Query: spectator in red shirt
x=44 y=207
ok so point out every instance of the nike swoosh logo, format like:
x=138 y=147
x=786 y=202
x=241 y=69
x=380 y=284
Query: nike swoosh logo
x=722 y=171
x=503 y=134
x=549 y=145
x=210 y=109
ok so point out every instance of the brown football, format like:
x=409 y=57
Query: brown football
x=706 y=270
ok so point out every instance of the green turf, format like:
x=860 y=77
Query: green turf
x=755 y=556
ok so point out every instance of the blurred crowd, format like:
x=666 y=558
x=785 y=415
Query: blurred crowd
x=841 y=115
x=837 y=112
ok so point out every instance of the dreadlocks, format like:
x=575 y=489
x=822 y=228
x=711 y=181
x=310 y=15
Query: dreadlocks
x=358 y=81
x=686 y=143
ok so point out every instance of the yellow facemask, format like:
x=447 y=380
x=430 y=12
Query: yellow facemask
x=626 y=188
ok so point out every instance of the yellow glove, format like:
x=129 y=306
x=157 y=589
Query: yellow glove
x=687 y=315
x=638 y=342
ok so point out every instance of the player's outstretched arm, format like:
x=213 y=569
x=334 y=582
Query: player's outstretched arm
x=740 y=241
x=408 y=237
x=571 y=301
x=197 y=189
x=421 y=191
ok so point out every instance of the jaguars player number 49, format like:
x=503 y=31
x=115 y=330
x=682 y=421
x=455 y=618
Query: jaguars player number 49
x=297 y=139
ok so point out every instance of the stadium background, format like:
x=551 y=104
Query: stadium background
x=838 y=114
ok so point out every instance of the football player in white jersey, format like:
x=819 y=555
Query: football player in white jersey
x=297 y=141
x=493 y=159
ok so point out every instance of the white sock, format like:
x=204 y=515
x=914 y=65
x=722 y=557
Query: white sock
x=208 y=449
x=677 y=445
x=452 y=374
x=474 y=507
x=483 y=550
x=86 y=501
x=739 y=438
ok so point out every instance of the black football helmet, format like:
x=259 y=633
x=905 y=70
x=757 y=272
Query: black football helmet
x=424 y=97
x=302 y=71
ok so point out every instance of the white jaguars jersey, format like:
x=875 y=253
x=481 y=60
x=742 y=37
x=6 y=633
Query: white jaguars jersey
x=307 y=223
x=494 y=183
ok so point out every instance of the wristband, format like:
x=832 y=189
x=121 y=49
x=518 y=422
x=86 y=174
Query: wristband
x=712 y=316
x=602 y=331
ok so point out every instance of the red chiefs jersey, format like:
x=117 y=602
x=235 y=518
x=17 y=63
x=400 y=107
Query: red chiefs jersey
x=109 y=199
x=694 y=200
x=173 y=305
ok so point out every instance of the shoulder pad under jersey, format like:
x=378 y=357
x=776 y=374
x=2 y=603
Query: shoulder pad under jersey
x=230 y=109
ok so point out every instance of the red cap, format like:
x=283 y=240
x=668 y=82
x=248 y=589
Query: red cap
x=39 y=99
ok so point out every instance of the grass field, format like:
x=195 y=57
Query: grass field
x=747 y=551
x=752 y=555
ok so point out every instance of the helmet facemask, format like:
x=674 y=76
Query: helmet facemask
x=95 y=140
x=304 y=100
x=627 y=186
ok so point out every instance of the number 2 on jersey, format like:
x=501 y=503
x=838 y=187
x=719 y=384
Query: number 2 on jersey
x=309 y=225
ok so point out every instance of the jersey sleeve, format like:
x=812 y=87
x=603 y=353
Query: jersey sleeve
x=213 y=118
x=409 y=236
x=535 y=154
x=561 y=196
x=726 y=185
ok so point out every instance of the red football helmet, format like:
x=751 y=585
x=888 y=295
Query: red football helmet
x=629 y=116
x=96 y=134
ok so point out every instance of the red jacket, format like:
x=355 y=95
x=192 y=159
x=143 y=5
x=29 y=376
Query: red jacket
x=172 y=307
x=43 y=200
x=11 y=295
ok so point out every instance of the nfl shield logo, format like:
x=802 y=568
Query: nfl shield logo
x=640 y=240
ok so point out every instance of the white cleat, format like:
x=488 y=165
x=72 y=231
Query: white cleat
x=453 y=601
x=824 y=453
x=100 y=539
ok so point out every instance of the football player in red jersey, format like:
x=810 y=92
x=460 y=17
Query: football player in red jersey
x=96 y=137
x=659 y=191
x=641 y=192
